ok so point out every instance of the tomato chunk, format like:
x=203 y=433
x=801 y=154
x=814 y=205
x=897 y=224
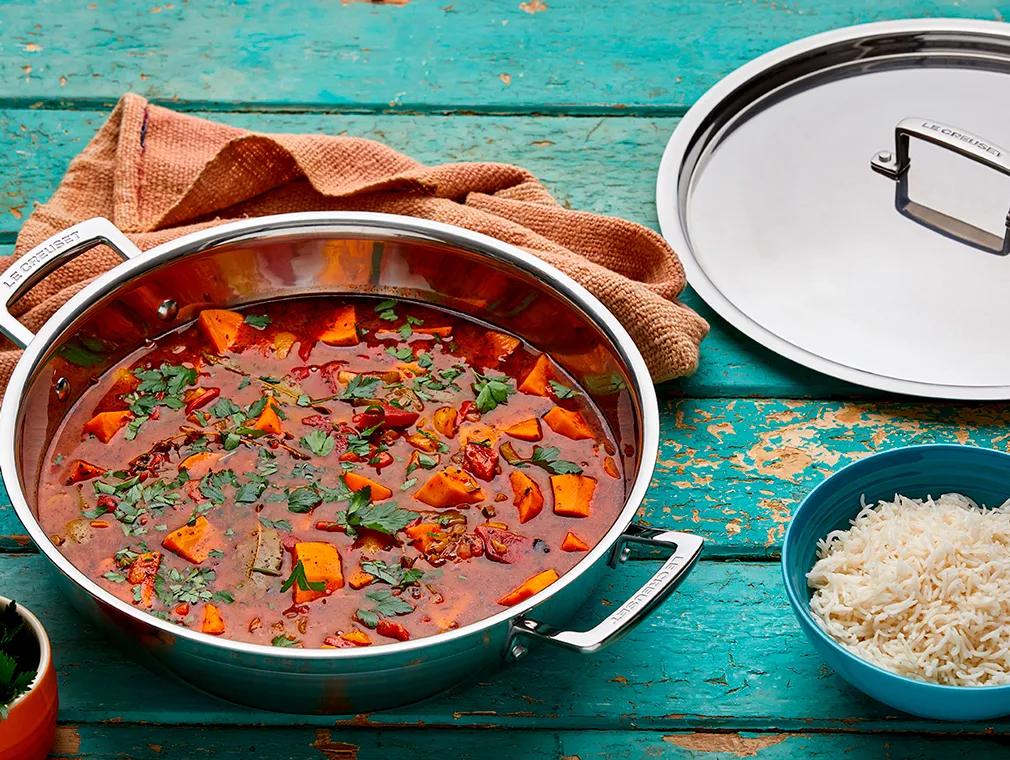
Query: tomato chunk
x=480 y=461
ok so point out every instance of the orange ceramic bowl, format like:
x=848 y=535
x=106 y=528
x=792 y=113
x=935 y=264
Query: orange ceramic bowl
x=28 y=730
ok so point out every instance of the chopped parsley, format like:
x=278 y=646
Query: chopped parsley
x=282 y=525
x=546 y=458
x=403 y=353
x=303 y=499
x=163 y=386
x=319 y=442
x=361 y=386
x=562 y=391
x=395 y=575
x=491 y=392
x=284 y=641
x=258 y=321
x=298 y=576
x=387 y=310
x=387 y=604
x=384 y=518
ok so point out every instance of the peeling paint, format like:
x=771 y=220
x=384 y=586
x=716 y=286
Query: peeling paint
x=732 y=744
x=533 y=6
x=332 y=750
x=67 y=741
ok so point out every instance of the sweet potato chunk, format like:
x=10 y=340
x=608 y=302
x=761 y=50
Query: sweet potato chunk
x=357 y=482
x=78 y=471
x=199 y=464
x=193 y=542
x=143 y=572
x=502 y=345
x=529 y=587
x=343 y=330
x=569 y=424
x=438 y=331
x=573 y=494
x=529 y=499
x=535 y=382
x=221 y=327
x=448 y=488
x=359 y=579
x=573 y=543
x=269 y=421
x=446 y=421
x=357 y=637
x=526 y=430
x=423 y=535
x=213 y=623
x=105 y=425
x=321 y=562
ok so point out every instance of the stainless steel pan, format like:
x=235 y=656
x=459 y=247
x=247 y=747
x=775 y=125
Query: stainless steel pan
x=312 y=253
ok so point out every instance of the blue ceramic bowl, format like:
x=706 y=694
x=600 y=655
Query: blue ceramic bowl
x=916 y=472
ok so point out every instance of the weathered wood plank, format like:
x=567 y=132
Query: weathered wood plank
x=723 y=654
x=96 y=742
x=572 y=56
x=571 y=155
x=733 y=469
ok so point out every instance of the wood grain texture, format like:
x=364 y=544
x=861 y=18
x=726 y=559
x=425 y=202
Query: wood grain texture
x=723 y=654
x=113 y=742
x=574 y=56
x=732 y=470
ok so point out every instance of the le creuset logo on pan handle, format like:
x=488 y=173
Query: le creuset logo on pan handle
x=895 y=165
x=45 y=258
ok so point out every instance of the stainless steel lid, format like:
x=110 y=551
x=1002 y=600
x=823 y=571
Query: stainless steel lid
x=843 y=200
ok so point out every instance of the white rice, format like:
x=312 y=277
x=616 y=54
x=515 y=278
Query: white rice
x=920 y=588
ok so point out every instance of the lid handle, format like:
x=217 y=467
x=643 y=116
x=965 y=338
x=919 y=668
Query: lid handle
x=895 y=166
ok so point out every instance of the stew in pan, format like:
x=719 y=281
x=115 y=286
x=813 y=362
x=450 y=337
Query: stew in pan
x=330 y=473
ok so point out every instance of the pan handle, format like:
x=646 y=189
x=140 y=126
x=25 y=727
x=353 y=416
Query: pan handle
x=45 y=258
x=686 y=549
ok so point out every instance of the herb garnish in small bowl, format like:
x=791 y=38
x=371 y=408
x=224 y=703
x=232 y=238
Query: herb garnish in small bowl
x=28 y=699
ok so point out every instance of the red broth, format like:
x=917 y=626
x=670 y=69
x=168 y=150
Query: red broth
x=330 y=473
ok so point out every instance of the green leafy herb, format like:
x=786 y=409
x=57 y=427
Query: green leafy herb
x=303 y=499
x=423 y=460
x=547 y=458
x=222 y=596
x=282 y=525
x=384 y=518
x=491 y=392
x=388 y=604
x=163 y=386
x=213 y=484
x=319 y=442
x=424 y=360
x=298 y=576
x=18 y=656
x=192 y=586
x=225 y=407
x=395 y=575
x=250 y=491
x=258 y=321
x=361 y=386
x=284 y=641
x=403 y=353
x=386 y=310
x=562 y=391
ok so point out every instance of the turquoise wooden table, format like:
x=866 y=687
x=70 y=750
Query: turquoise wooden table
x=585 y=94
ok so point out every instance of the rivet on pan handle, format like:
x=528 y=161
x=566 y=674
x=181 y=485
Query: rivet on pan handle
x=686 y=549
x=45 y=258
x=895 y=166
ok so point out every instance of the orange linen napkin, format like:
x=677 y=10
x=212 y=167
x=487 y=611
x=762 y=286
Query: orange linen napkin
x=158 y=174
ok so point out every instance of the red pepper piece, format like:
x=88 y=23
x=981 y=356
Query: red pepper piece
x=392 y=630
x=108 y=502
x=329 y=526
x=384 y=415
x=468 y=411
x=480 y=461
x=199 y=398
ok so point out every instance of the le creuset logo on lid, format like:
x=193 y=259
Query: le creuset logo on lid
x=970 y=139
